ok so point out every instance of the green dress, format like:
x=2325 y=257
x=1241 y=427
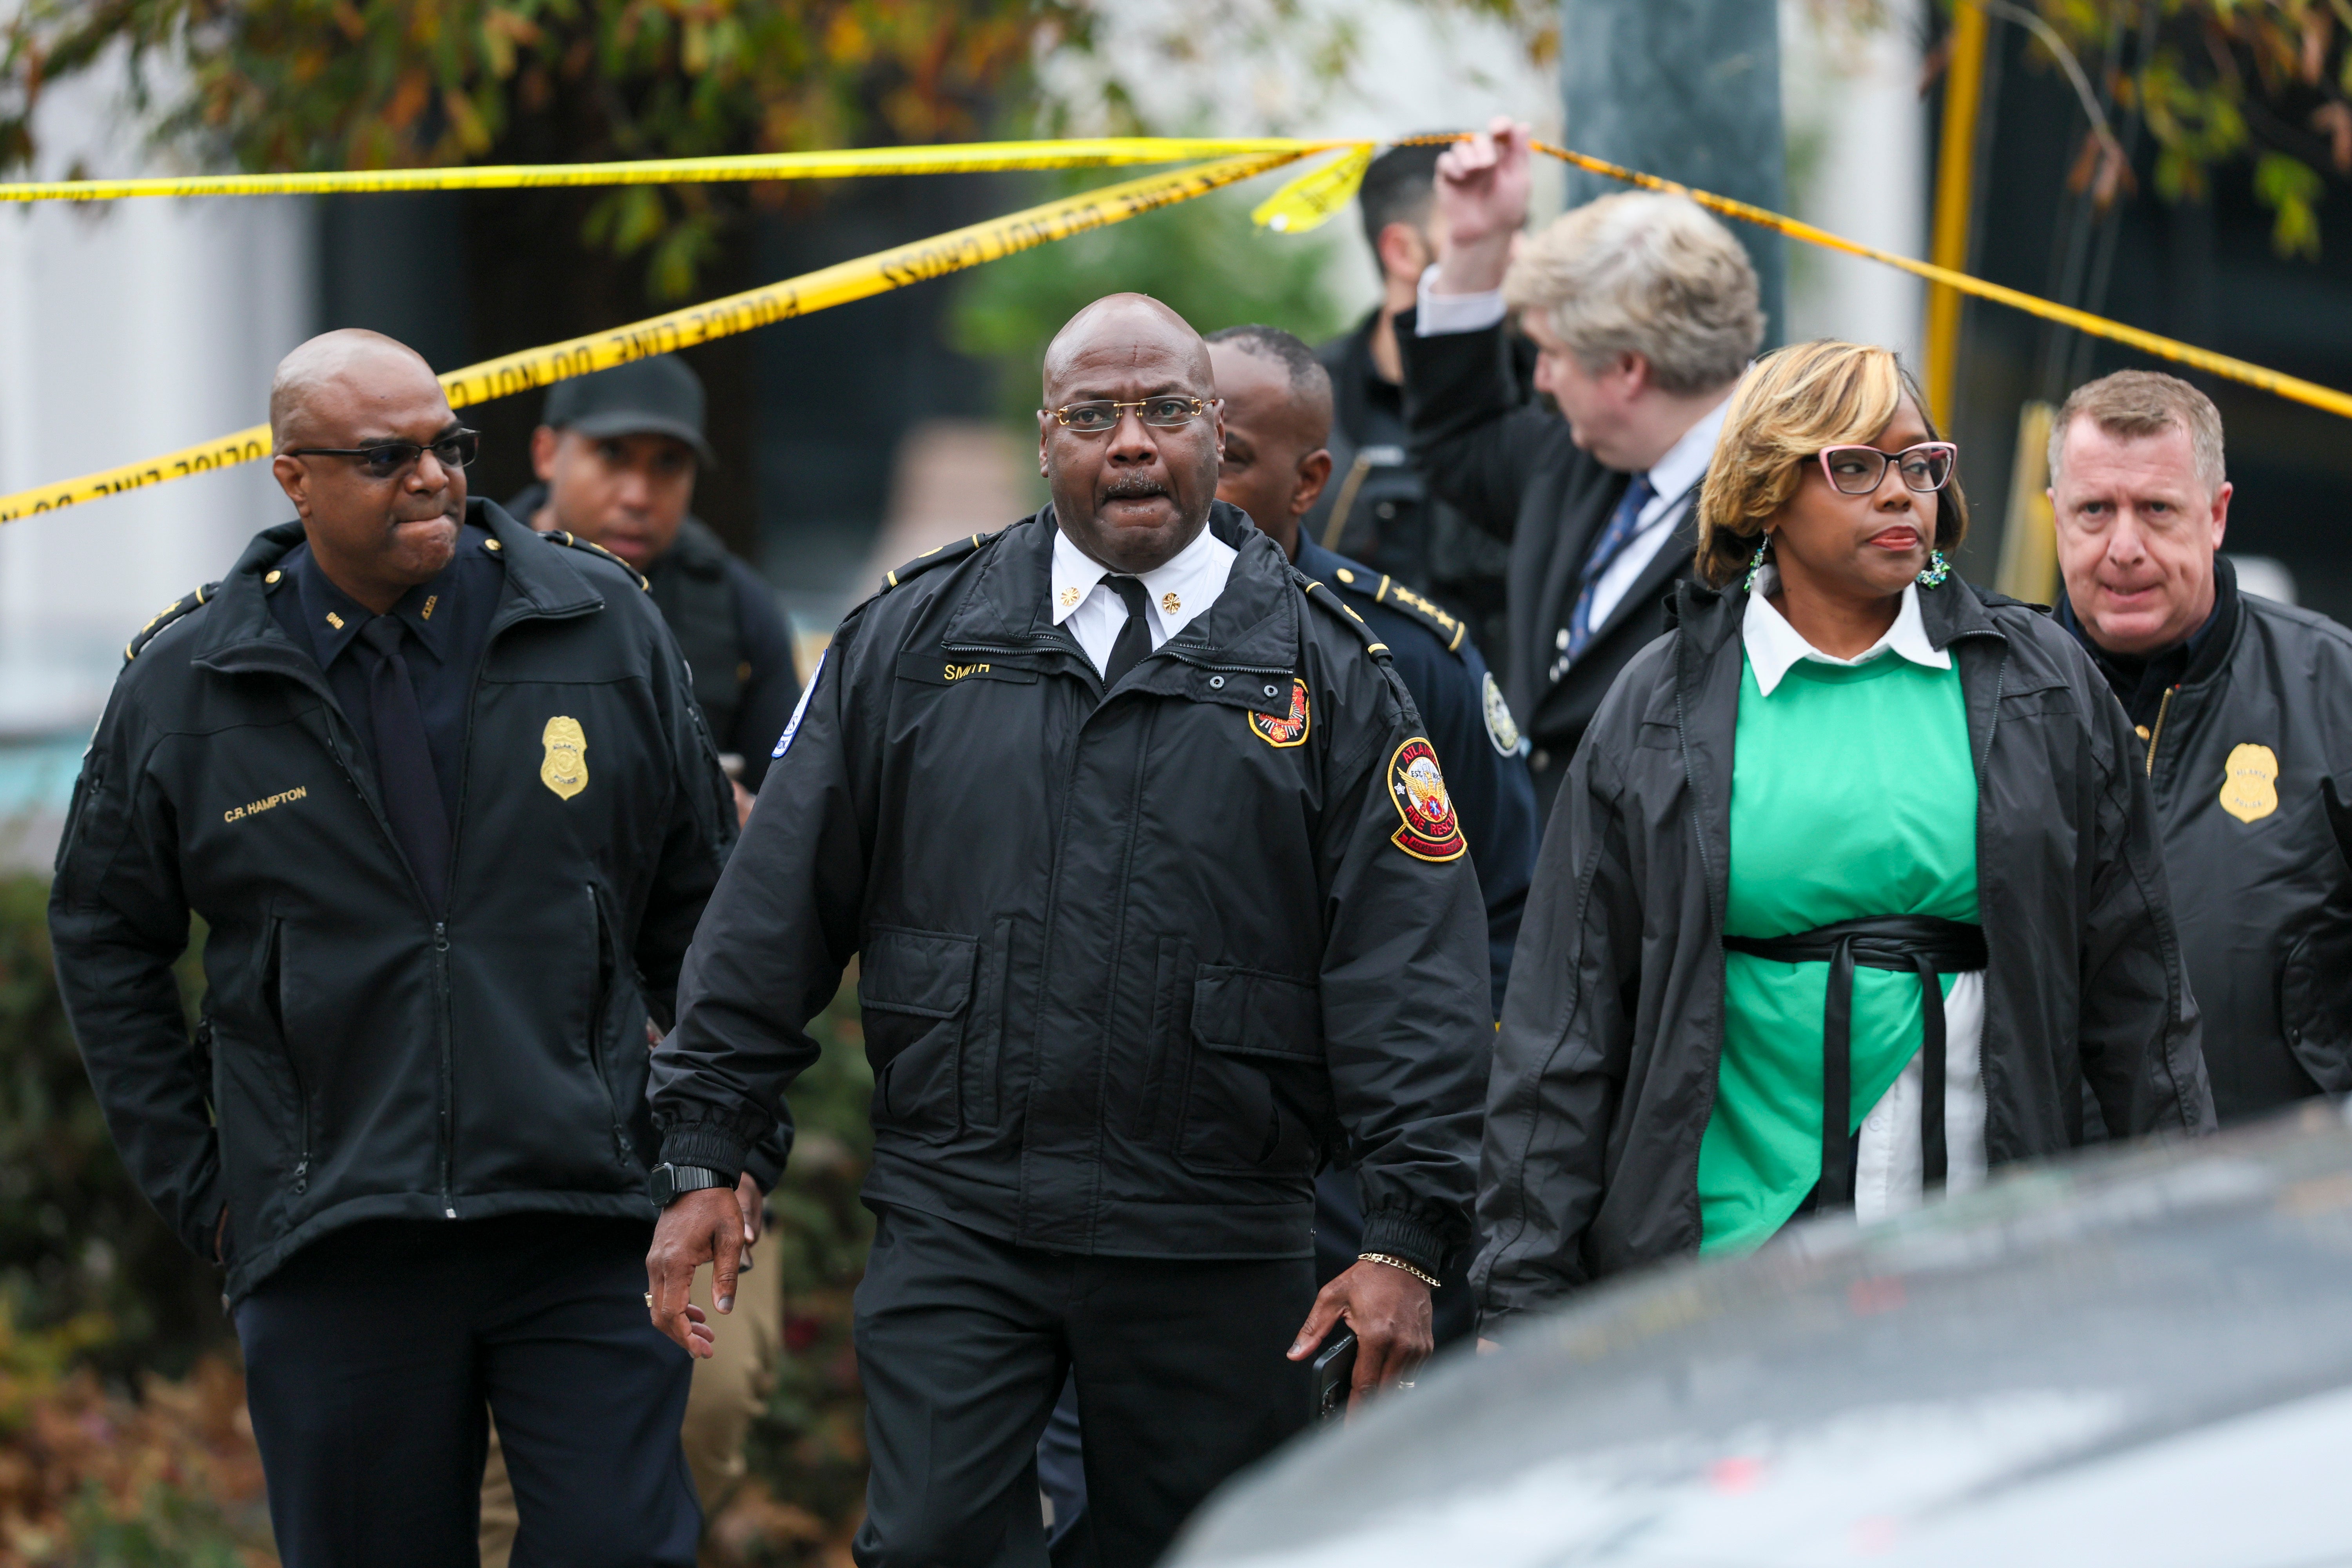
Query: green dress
x=1852 y=795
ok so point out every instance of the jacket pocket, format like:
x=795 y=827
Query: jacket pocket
x=2316 y=1008
x=983 y=1044
x=1171 y=995
x=914 y=990
x=1257 y=1082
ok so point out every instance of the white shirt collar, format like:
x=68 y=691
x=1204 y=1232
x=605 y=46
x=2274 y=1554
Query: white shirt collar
x=1773 y=645
x=1179 y=589
x=1685 y=461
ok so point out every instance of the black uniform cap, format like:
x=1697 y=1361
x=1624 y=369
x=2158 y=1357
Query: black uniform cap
x=655 y=396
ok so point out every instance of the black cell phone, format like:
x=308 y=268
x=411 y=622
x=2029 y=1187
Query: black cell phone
x=1335 y=1375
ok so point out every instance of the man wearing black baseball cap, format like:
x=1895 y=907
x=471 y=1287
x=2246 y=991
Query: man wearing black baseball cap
x=616 y=456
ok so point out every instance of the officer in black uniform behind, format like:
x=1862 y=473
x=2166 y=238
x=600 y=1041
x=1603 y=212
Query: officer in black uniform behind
x=1159 y=897
x=1277 y=407
x=1376 y=507
x=437 y=786
x=616 y=454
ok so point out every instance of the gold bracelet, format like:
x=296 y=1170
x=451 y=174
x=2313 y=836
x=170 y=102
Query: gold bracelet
x=1398 y=1263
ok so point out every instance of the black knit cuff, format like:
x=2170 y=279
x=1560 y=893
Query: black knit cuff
x=707 y=1145
x=1397 y=1233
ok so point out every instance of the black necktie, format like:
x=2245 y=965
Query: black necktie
x=404 y=761
x=1135 y=637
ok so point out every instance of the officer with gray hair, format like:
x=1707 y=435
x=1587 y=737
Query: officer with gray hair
x=1644 y=312
x=2245 y=708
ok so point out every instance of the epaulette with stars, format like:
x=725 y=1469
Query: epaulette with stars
x=1324 y=594
x=561 y=536
x=938 y=555
x=171 y=611
x=1451 y=629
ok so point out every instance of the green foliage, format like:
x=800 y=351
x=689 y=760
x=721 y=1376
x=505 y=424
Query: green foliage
x=2265 y=83
x=79 y=1243
x=169 y=1528
x=365 y=84
x=1206 y=259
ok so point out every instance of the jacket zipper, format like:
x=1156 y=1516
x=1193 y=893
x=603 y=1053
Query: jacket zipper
x=2157 y=734
x=441 y=984
x=286 y=1045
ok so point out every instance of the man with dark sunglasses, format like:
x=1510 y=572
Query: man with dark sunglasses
x=437 y=786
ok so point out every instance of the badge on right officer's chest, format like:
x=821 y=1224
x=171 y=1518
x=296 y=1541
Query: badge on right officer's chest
x=564 y=768
x=2250 y=783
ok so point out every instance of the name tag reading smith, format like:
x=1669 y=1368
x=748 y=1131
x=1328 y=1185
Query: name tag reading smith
x=943 y=668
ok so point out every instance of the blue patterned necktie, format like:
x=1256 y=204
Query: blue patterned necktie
x=1623 y=523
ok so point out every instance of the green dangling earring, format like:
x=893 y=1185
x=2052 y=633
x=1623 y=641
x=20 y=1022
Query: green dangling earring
x=1755 y=564
x=1937 y=570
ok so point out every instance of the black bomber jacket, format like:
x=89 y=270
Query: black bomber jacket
x=2248 y=754
x=1130 y=968
x=359 y=1058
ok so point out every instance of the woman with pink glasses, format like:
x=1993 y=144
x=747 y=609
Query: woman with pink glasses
x=1851 y=891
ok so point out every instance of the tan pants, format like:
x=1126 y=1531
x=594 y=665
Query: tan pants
x=729 y=1390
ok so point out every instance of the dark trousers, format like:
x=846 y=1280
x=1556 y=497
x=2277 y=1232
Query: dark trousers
x=369 y=1358
x=964 y=1342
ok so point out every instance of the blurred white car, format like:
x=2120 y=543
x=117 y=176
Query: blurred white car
x=2141 y=1359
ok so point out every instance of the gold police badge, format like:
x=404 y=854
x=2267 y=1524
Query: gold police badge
x=1284 y=734
x=1502 y=729
x=565 y=769
x=2250 y=783
x=1417 y=786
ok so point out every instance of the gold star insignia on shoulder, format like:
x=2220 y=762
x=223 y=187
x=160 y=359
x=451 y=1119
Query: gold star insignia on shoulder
x=1169 y=604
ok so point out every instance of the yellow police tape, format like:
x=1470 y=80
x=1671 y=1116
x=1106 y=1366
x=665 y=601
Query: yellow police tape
x=875 y=274
x=2291 y=387
x=1303 y=204
x=970 y=157
x=1310 y=199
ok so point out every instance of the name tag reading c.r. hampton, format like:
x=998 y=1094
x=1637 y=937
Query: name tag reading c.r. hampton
x=267 y=803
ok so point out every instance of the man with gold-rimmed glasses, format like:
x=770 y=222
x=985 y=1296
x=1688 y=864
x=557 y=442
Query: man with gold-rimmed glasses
x=1112 y=808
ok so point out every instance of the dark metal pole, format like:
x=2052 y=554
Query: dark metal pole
x=1689 y=89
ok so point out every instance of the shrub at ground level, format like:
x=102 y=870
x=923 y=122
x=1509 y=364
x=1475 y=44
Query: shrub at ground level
x=124 y=1441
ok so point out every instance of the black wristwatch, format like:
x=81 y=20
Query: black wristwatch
x=668 y=1183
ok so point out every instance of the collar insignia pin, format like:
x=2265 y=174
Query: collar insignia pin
x=1169 y=604
x=1069 y=598
x=334 y=620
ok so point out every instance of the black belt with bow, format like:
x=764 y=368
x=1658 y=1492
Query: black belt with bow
x=1920 y=944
